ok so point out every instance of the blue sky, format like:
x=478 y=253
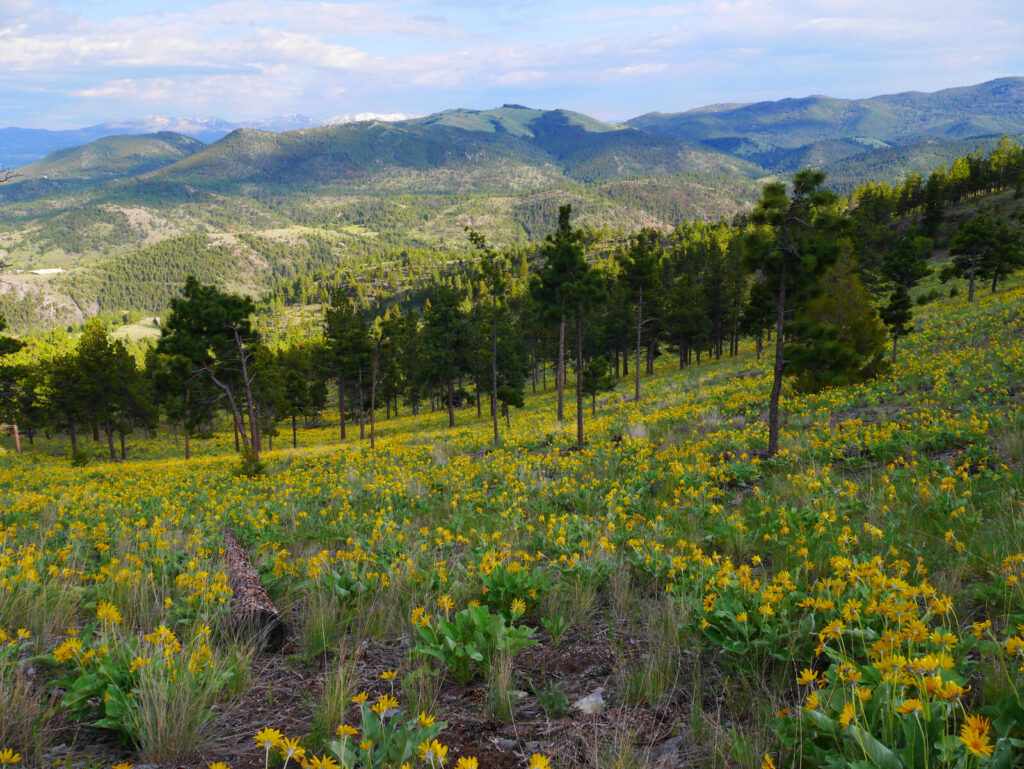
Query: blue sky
x=67 y=64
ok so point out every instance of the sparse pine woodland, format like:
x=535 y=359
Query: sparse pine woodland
x=562 y=505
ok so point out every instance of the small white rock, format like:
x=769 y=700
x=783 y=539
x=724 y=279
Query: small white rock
x=592 y=703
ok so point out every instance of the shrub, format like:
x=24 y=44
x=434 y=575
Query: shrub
x=468 y=643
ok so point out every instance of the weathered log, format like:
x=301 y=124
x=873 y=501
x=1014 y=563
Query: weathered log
x=251 y=606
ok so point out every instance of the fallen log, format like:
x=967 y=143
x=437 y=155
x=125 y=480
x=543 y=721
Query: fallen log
x=251 y=606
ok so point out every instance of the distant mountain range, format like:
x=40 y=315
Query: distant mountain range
x=20 y=146
x=515 y=148
x=122 y=209
x=819 y=130
x=883 y=134
x=511 y=148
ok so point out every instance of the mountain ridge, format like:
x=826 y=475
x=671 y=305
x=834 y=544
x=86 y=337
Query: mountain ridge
x=776 y=134
x=22 y=146
x=120 y=214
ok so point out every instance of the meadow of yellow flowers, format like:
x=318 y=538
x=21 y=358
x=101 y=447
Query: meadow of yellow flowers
x=857 y=601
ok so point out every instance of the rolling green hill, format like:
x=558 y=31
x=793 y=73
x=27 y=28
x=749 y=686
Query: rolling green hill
x=507 y=149
x=894 y=164
x=820 y=130
x=260 y=207
x=128 y=216
x=113 y=157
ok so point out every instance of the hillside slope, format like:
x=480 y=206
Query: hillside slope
x=511 y=148
x=820 y=130
x=113 y=157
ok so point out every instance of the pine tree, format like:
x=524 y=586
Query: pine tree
x=296 y=367
x=347 y=349
x=639 y=266
x=562 y=255
x=836 y=337
x=793 y=243
x=213 y=331
x=11 y=384
x=446 y=355
x=493 y=273
x=904 y=267
x=984 y=247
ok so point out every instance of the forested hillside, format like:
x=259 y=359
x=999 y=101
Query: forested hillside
x=113 y=157
x=392 y=200
x=720 y=494
x=929 y=128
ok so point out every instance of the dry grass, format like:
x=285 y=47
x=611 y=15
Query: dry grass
x=501 y=698
x=340 y=683
x=23 y=714
x=172 y=712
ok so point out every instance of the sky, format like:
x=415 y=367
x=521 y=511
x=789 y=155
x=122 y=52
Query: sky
x=67 y=63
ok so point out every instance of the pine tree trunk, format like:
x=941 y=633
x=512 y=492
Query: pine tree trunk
x=254 y=427
x=235 y=413
x=451 y=402
x=110 y=440
x=341 y=404
x=639 y=321
x=560 y=373
x=373 y=398
x=17 y=439
x=533 y=367
x=773 y=401
x=295 y=434
x=73 y=436
x=362 y=406
x=188 y=444
x=494 y=369
x=579 y=380
x=124 y=449
x=894 y=338
x=970 y=285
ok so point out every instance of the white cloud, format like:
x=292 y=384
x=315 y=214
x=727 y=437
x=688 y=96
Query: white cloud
x=639 y=69
x=361 y=56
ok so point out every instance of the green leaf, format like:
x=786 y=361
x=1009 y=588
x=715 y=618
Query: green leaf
x=820 y=721
x=876 y=752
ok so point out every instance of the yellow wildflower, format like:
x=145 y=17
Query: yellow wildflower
x=909 y=707
x=424 y=720
x=974 y=736
x=847 y=715
x=268 y=738
x=107 y=612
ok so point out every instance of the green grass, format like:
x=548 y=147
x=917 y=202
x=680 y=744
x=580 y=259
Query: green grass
x=660 y=526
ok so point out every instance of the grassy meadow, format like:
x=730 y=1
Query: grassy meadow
x=856 y=601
